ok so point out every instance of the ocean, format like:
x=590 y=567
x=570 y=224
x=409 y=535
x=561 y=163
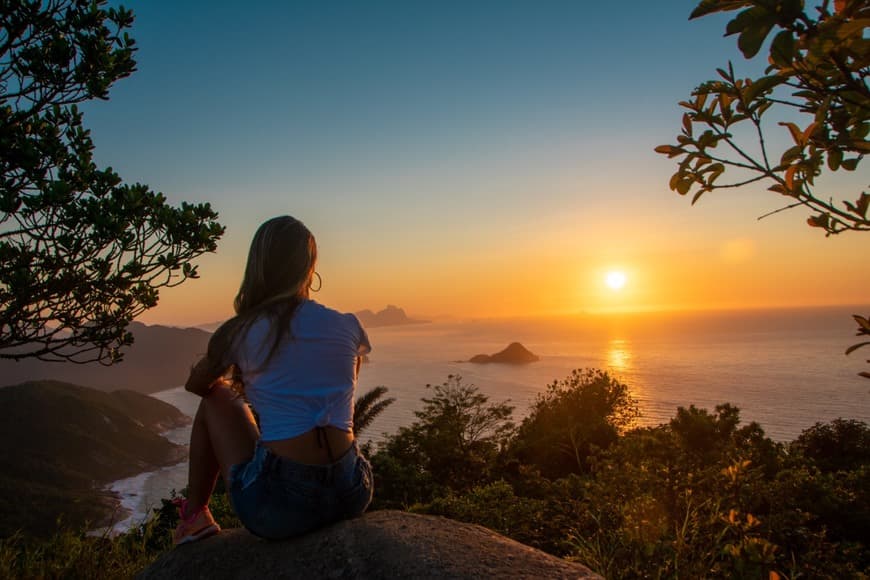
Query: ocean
x=785 y=369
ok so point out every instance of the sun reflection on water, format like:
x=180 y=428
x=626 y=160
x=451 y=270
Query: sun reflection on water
x=619 y=355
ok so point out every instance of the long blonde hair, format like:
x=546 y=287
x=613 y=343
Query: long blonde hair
x=277 y=279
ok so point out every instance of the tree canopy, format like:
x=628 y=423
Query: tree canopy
x=815 y=88
x=81 y=253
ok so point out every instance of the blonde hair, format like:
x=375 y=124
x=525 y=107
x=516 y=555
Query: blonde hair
x=277 y=279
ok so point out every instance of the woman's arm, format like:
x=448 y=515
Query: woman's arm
x=203 y=375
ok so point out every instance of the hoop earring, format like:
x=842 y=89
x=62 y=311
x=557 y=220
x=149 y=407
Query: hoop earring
x=319 y=283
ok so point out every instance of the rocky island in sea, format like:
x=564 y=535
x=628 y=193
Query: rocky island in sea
x=515 y=354
x=389 y=316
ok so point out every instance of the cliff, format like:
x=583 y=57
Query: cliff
x=381 y=544
x=60 y=442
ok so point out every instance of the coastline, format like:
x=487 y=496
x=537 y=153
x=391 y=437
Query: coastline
x=135 y=497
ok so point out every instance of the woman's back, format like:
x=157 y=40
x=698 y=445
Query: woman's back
x=309 y=380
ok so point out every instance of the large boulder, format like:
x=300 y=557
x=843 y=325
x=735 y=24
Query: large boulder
x=381 y=544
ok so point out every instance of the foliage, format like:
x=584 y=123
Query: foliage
x=817 y=71
x=817 y=75
x=863 y=330
x=453 y=444
x=71 y=553
x=81 y=254
x=575 y=418
x=700 y=496
x=368 y=406
x=841 y=445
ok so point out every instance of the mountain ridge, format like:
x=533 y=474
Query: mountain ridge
x=61 y=443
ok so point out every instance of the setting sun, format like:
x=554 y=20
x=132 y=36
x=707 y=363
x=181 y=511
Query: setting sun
x=615 y=280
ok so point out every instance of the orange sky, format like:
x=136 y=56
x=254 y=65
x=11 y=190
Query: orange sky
x=470 y=159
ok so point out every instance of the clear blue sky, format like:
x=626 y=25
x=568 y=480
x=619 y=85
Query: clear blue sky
x=438 y=150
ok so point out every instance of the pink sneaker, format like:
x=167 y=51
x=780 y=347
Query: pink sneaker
x=195 y=526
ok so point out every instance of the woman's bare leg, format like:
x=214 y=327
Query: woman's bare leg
x=224 y=433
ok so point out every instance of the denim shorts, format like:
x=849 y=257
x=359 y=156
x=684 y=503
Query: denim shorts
x=278 y=498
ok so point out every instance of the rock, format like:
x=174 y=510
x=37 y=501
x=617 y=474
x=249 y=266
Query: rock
x=381 y=544
x=389 y=316
x=515 y=353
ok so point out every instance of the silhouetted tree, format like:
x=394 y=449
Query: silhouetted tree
x=841 y=445
x=453 y=444
x=574 y=417
x=81 y=253
x=368 y=406
x=815 y=89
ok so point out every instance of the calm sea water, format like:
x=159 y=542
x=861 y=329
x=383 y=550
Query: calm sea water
x=785 y=369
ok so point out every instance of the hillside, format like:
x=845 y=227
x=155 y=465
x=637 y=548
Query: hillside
x=59 y=443
x=176 y=349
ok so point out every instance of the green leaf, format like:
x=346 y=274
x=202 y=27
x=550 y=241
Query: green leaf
x=819 y=221
x=855 y=347
x=850 y=164
x=778 y=188
x=740 y=22
x=854 y=28
x=752 y=38
x=796 y=134
x=790 y=155
x=835 y=157
x=669 y=150
x=683 y=186
x=782 y=48
x=706 y=7
x=760 y=86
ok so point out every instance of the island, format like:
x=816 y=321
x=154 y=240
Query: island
x=515 y=354
x=389 y=316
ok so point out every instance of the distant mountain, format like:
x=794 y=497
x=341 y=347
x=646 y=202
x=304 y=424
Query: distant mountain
x=159 y=359
x=389 y=316
x=59 y=443
x=515 y=353
x=210 y=326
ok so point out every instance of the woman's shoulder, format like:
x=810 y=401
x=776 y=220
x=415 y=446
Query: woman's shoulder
x=312 y=311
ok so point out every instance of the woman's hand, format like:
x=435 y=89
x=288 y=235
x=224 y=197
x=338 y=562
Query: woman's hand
x=203 y=376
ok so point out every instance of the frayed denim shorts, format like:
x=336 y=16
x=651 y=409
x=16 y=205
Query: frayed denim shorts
x=277 y=498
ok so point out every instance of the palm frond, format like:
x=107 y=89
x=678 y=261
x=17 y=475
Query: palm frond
x=368 y=406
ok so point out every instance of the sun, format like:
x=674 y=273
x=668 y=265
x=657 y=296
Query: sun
x=615 y=279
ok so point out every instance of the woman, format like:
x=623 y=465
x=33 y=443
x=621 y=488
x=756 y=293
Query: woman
x=297 y=362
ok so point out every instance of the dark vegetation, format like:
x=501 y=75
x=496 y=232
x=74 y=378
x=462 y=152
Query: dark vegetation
x=62 y=442
x=701 y=496
x=81 y=253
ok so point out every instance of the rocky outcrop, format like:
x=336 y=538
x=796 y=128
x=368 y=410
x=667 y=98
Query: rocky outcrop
x=381 y=544
x=389 y=316
x=515 y=353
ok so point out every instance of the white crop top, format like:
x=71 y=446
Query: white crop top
x=310 y=380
